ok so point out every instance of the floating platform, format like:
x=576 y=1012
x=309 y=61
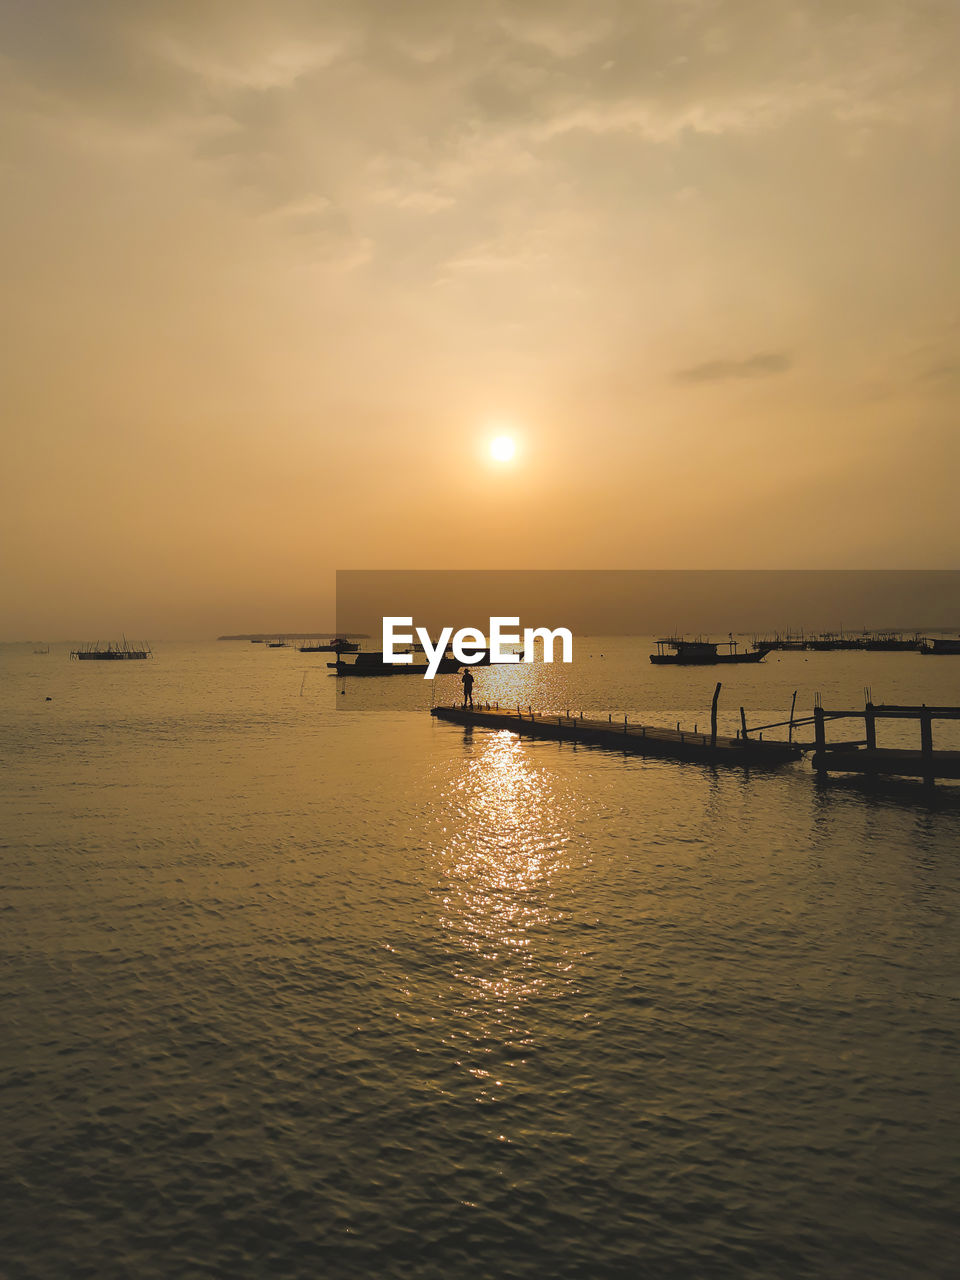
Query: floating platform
x=121 y=651
x=624 y=735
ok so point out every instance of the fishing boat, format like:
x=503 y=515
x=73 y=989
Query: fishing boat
x=943 y=646
x=277 y=644
x=674 y=652
x=113 y=652
x=374 y=664
x=337 y=645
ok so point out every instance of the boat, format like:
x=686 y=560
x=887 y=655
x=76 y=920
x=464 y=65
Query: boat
x=702 y=653
x=42 y=648
x=943 y=646
x=119 y=652
x=337 y=645
x=373 y=664
x=277 y=644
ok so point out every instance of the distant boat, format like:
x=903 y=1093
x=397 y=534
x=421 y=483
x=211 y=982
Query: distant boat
x=42 y=648
x=940 y=646
x=256 y=642
x=336 y=645
x=373 y=664
x=701 y=653
x=277 y=644
x=123 y=651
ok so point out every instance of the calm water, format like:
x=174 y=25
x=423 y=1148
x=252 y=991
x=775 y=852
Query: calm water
x=296 y=989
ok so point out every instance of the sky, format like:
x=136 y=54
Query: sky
x=645 y=602
x=275 y=274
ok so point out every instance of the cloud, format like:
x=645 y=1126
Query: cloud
x=940 y=373
x=252 y=234
x=422 y=201
x=761 y=365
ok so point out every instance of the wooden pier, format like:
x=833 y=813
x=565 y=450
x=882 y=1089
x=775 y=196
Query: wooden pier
x=859 y=755
x=624 y=735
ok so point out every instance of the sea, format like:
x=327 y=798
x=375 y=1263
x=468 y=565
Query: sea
x=298 y=981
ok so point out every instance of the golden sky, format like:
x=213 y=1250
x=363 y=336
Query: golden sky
x=276 y=273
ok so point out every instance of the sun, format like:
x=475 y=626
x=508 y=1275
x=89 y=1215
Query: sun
x=503 y=448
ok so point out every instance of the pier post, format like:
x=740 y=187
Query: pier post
x=713 y=716
x=926 y=745
x=870 y=726
x=792 y=706
x=743 y=723
x=820 y=738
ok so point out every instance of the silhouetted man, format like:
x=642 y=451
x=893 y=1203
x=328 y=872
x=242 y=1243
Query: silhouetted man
x=467 y=681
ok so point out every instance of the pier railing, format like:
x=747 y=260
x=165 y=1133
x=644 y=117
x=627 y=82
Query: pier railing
x=869 y=758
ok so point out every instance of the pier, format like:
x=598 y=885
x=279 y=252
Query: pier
x=624 y=735
x=858 y=755
x=864 y=756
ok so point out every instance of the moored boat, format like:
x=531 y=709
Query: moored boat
x=673 y=652
x=337 y=645
x=374 y=664
x=941 y=646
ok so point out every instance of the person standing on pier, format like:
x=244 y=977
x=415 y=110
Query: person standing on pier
x=467 y=681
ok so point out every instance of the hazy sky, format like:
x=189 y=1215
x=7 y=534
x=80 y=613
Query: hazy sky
x=274 y=274
x=644 y=602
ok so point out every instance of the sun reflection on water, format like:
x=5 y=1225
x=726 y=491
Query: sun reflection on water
x=506 y=849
